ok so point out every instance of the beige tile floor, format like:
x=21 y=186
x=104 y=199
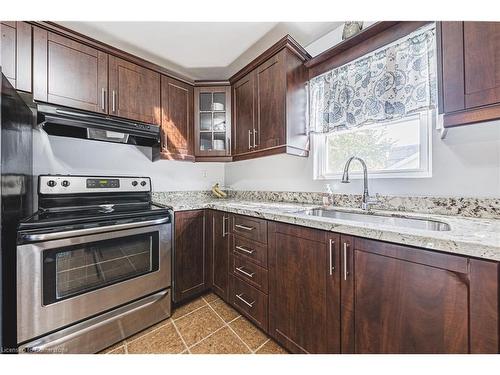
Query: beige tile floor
x=206 y=325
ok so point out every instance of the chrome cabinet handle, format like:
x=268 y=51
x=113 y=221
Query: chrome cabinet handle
x=249 y=141
x=244 y=227
x=249 y=304
x=224 y=233
x=254 y=134
x=245 y=250
x=332 y=267
x=242 y=270
x=113 y=101
x=345 y=261
x=103 y=99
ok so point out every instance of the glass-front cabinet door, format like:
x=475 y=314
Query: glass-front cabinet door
x=212 y=121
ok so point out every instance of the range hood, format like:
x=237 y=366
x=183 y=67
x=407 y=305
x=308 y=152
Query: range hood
x=67 y=122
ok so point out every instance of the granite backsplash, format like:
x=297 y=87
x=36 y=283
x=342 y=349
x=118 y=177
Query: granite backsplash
x=486 y=208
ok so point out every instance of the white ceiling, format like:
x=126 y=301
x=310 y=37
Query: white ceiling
x=200 y=50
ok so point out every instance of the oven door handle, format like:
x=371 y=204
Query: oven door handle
x=86 y=231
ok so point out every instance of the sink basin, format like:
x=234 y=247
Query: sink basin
x=395 y=221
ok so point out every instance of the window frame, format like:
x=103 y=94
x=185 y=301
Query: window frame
x=427 y=121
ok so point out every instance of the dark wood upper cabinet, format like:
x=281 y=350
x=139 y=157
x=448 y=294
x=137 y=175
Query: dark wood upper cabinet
x=304 y=288
x=244 y=114
x=190 y=255
x=220 y=253
x=270 y=103
x=212 y=122
x=398 y=299
x=16 y=53
x=69 y=73
x=134 y=91
x=176 y=119
x=469 y=67
x=271 y=94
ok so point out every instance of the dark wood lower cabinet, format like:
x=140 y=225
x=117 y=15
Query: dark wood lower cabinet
x=304 y=289
x=316 y=291
x=190 y=255
x=399 y=299
x=220 y=253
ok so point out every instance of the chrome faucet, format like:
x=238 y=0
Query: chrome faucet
x=367 y=200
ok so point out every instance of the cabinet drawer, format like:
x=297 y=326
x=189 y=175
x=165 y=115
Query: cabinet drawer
x=250 y=301
x=249 y=227
x=250 y=250
x=250 y=272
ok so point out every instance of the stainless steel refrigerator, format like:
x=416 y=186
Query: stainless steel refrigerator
x=16 y=167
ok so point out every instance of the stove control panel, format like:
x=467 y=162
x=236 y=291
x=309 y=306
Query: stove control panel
x=67 y=184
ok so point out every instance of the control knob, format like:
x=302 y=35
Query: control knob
x=134 y=183
x=143 y=183
x=65 y=183
x=51 y=183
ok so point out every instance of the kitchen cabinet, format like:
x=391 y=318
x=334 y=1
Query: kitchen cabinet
x=69 y=73
x=191 y=262
x=16 y=53
x=469 y=67
x=399 y=299
x=304 y=288
x=212 y=121
x=244 y=114
x=220 y=253
x=134 y=91
x=270 y=103
x=176 y=119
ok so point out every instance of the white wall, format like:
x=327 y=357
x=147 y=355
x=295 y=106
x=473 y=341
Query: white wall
x=466 y=163
x=75 y=156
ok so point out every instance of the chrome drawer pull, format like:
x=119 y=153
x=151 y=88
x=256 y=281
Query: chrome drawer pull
x=245 y=250
x=249 y=304
x=244 y=227
x=242 y=270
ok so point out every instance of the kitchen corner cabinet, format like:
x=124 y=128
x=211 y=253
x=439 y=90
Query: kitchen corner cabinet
x=212 y=107
x=16 y=53
x=270 y=104
x=134 y=91
x=69 y=73
x=219 y=248
x=190 y=263
x=176 y=119
x=304 y=288
x=469 y=67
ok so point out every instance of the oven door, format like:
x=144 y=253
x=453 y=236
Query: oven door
x=64 y=281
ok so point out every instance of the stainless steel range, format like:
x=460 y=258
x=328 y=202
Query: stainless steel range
x=93 y=264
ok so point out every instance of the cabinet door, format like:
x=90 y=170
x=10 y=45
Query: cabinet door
x=397 y=299
x=134 y=91
x=69 y=73
x=244 y=114
x=16 y=54
x=304 y=289
x=177 y=118
x=271 y=95
x=482 y=63
x=220 y=254
x=190 y=273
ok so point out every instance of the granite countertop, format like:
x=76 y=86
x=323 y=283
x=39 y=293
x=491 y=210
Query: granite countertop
x=479 y=238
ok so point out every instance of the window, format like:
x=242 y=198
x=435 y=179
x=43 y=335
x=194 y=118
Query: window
x=381 y=108
x=399 y=148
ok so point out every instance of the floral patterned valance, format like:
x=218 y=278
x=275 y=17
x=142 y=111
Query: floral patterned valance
x=387 y=84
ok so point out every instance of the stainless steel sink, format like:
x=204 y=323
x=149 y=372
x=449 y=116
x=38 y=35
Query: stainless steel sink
x=394 y=221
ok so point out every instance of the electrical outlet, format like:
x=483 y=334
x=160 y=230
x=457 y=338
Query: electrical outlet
x=204 y=174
